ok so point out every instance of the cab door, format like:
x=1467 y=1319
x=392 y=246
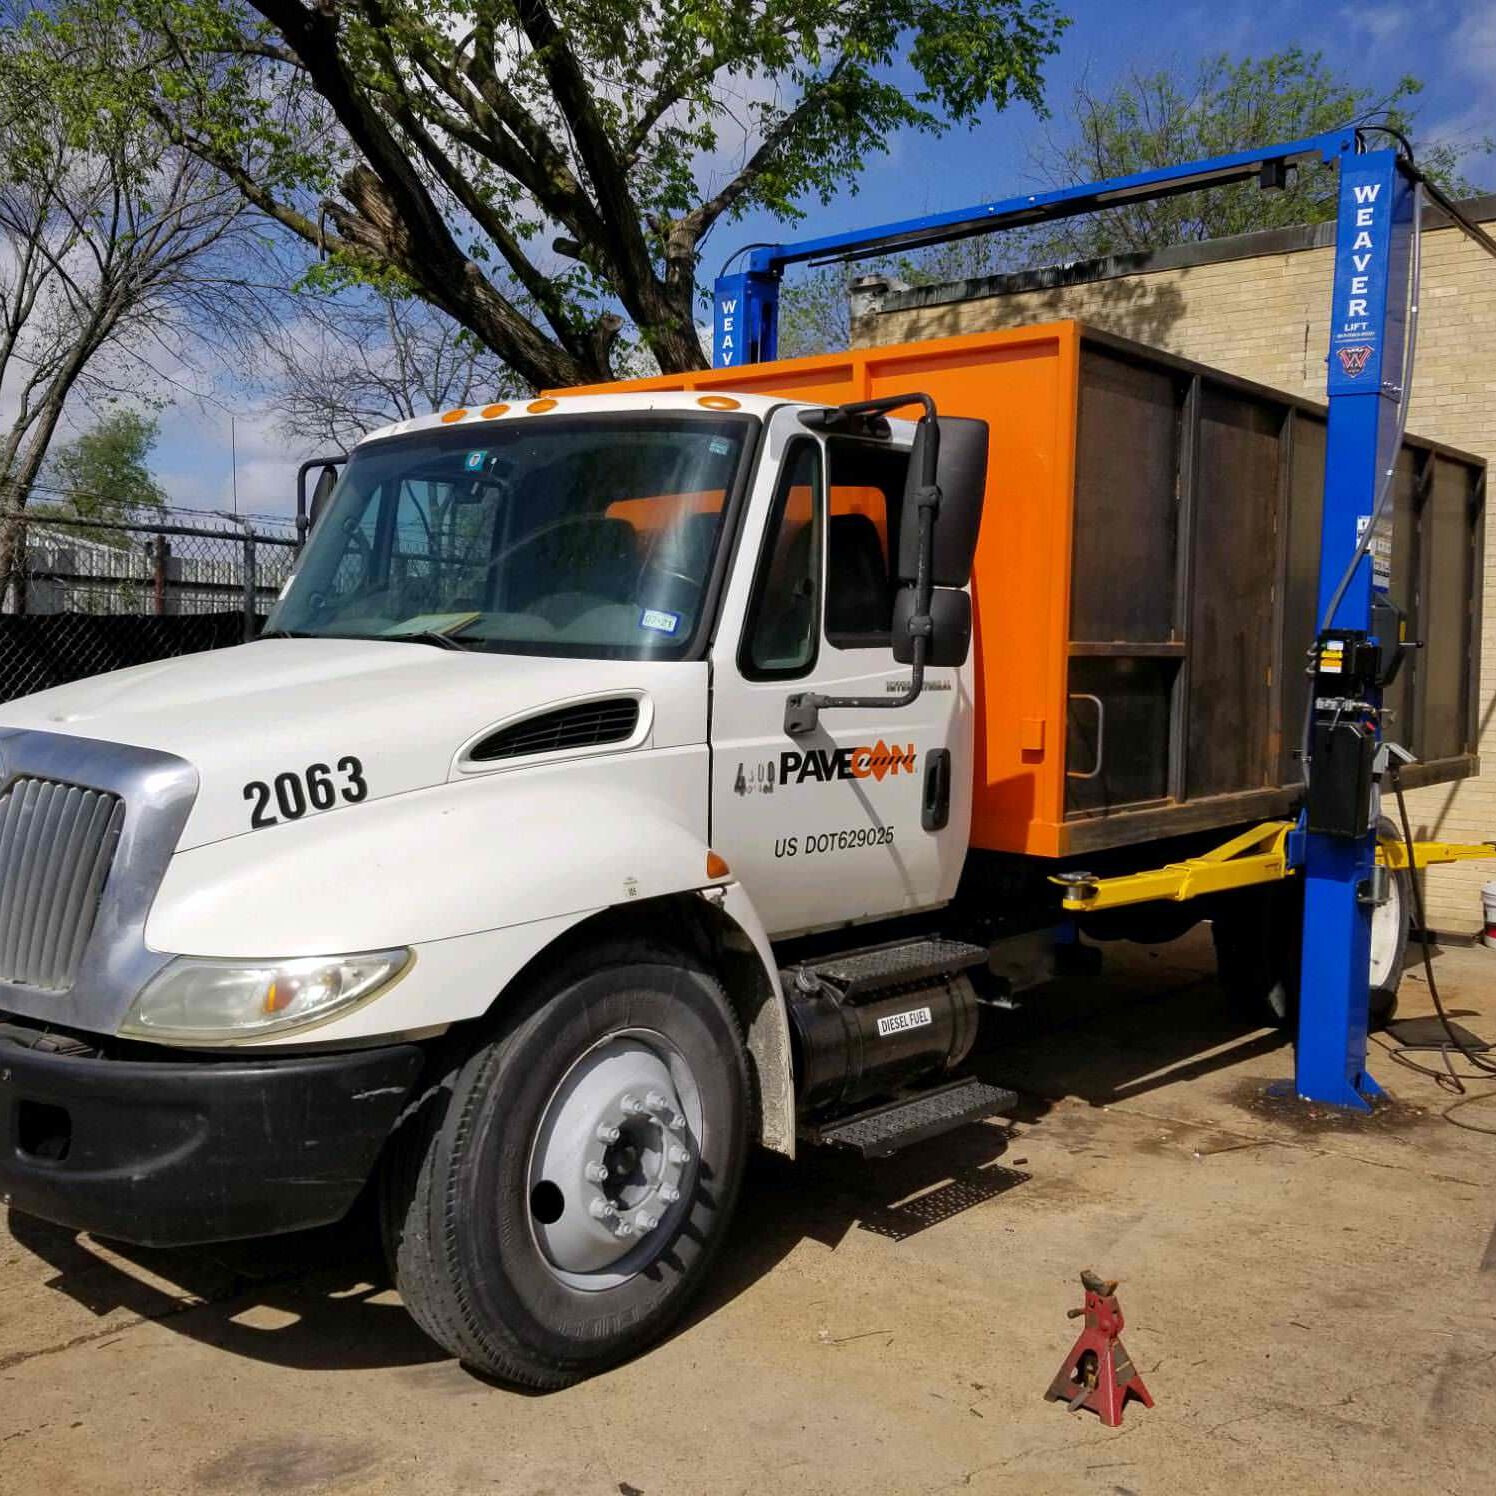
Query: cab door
x=867 y=815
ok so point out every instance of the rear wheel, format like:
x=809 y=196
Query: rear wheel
x=554 y=1202
x=1257 y=934
x=1391 y=923
x=1258 y=940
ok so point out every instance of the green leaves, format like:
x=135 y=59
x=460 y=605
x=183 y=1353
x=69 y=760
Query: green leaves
x=487 y=128
x=1158 y=119
x=105 y=473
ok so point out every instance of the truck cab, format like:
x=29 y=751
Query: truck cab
x=474 y=875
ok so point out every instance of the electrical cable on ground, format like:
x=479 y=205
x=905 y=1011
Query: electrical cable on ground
x=1449 y=1078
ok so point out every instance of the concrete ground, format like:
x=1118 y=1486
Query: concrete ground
x=1312 y=1300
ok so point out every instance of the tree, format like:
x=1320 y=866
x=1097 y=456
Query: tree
x=113 y=250
x=104 y=474
x=1149 y=120
x=354 y=362
x=446 y=144
x=1158 y=119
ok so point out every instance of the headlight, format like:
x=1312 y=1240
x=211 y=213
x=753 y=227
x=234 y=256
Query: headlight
x=200 y=1001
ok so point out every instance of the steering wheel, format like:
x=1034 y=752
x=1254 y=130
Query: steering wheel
x=694 y=583
x=568 y=521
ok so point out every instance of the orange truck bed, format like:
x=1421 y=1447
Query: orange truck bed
x=1145 y=579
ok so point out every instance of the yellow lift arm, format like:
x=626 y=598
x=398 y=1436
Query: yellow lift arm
x=1256 y=856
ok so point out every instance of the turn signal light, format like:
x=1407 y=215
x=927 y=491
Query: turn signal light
x=716 y=866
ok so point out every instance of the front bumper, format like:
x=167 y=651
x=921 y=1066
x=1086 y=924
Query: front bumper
x=172 y=1153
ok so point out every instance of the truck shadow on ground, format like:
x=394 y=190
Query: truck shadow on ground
x=322 y=1300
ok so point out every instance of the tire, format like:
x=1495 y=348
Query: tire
x=1391 y=924
x=1258 y=937
x=512 y=1270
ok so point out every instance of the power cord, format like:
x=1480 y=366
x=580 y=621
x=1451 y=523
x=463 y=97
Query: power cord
x=1449 y=1078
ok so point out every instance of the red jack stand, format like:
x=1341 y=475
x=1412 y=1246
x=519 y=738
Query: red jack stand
x=1098 y=1373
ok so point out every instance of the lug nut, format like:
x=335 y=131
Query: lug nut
x=676 y=1123
x=623 y=1228
x=596 y=1173
x=607 y=1133
x=679 y=1155
x=602 y=1210
x=646 y=1222
x=657 y=1103
x=632 y=1106
x=669 y=1194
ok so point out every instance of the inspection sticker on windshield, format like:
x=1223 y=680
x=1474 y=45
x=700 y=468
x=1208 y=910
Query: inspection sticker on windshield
x=659 y=620
x=719 y=446
x=473 y=462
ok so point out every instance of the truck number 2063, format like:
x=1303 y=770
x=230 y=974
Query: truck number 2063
x=315 y=788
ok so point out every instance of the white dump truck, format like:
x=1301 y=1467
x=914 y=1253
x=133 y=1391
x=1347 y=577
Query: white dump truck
x=614 y=788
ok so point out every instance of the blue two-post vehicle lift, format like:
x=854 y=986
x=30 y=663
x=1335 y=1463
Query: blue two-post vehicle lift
x=1376 y=250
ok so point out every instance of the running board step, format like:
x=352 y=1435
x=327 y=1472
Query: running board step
x=883 y=1130
x=861 y=972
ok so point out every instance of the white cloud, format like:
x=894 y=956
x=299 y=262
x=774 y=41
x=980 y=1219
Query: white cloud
x=1381 y=23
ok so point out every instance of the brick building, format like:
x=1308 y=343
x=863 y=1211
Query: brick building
x=1258 y=305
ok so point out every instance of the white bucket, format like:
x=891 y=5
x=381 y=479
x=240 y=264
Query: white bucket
x=1488 y=899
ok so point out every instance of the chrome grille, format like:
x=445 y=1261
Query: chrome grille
x=57 y=842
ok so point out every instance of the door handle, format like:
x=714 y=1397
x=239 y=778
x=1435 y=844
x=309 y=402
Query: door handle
x=1100 y=706
x=936 y=811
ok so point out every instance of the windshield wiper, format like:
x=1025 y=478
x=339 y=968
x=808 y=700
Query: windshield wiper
x=430 y=636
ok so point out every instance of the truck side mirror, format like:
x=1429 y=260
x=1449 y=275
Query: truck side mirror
x=306 y=515
x=950 y=626
x=322 y=490
x=960 y=472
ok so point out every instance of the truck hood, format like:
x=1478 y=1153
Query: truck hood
x=404 y=711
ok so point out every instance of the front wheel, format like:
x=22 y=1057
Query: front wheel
x=551 y=1206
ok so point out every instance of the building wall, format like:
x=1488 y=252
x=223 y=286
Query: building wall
x=1266 y=317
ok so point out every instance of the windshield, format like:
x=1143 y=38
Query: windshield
x=579 y=535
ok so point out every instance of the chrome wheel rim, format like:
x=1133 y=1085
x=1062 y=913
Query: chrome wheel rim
x=614 y=1161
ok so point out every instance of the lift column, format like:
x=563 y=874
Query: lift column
x=1367 y=336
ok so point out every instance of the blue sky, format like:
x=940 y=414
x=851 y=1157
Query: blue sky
x=1449 y=44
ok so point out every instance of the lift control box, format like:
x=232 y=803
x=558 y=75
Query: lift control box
x=1343 y=733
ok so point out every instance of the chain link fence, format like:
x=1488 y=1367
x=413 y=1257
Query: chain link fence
x=80 y=597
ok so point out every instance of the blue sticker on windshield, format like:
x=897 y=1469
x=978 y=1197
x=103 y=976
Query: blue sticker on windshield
x=659 y=620
x=719 y=446
x=473 y=462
